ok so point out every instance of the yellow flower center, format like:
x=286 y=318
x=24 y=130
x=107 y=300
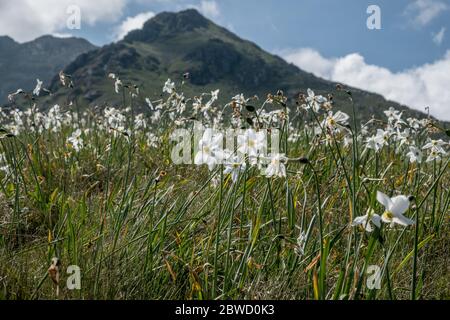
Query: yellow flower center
x=388 y=215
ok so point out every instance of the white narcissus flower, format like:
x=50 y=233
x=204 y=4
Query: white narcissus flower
x=37 y=89
x=114 y=118
x=382 y=137
x=393 y=114
x=403 y=137
x=149 y=103
x=6 y=169
x=395 y=208
x=301 y=244
x=348 y=140
x=75 y=140
x=197 y=104
x=294 y=137
x=367 y=219
x=156 y=116
x=140 y=121
x=240 y=100
x=414 y=154
x=276 y=167
x=215 y=95
x=210 y=149
x=235 y=167
x=315 y=101
x=371 y=143
x=414 y=123
x=436 y=149
x=435 y=154
x=364 y=130
x=169 y=86
x=4 y=165
x=152 y=140
x=333 y=121
x=252 y=143
x=434 y=144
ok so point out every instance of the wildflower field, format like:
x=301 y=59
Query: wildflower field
x=343 y=209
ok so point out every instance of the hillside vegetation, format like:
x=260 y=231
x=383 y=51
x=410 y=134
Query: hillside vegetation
x=342 y=210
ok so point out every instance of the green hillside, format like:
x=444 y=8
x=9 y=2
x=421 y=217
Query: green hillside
x=172 y=44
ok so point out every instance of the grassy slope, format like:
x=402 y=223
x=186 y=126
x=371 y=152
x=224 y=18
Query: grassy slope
x=183 y=238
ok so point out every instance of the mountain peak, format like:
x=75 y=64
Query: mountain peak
x=186 y=20
x=22 y=63
x=51 y=39
x=167 y=24
x=6 y=41
x=6 y=38
x=172 y=44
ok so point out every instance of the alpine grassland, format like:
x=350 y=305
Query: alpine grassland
x=277 y=198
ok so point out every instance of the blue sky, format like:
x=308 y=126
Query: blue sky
x=327 y=37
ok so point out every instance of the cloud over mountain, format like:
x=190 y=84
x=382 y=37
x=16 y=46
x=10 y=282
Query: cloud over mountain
x=25 y=20
x=419 y=87
x=132 y=23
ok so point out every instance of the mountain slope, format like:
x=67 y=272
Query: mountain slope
x=171 y=44
x=22 y=64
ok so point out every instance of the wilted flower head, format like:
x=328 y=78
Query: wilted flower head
x=12 y=95
x=65 y=80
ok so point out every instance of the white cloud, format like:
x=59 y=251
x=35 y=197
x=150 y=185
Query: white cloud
x=425 y=11
x=132 y=23
x=420 y=87
x=438 y=38
x=209 y=8
x=25 y=20
x=62 y=35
